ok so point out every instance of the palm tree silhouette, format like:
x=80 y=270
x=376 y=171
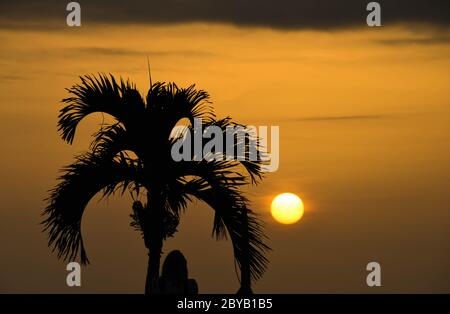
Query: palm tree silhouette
x=144 y=128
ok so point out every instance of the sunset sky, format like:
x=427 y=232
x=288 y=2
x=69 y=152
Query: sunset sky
x=364 y=117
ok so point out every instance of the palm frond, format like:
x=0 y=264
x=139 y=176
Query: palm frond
x=168 y=104
x=79 y=183
x=111 y=140
x=252 y=157
x=99 y=94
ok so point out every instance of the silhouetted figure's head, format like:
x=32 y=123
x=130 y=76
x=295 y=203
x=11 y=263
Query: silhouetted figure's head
x=174 y=276
x=174 y=268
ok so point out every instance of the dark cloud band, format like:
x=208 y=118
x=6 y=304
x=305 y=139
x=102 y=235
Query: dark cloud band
x=281 y=14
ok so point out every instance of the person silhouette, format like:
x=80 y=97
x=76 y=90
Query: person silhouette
x=174 y=276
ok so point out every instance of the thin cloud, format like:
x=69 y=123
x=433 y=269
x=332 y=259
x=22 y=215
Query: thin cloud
x=93 y=52
x=343 y=118
x=438 y=40
x=9 y=78
x=129 y=52
x=106 y=51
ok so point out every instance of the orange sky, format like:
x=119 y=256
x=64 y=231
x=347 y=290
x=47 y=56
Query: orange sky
x=364 y=118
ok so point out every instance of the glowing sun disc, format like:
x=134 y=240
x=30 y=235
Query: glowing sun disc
x=287 y=208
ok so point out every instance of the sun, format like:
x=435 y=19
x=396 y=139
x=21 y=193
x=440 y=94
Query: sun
x=287 y=208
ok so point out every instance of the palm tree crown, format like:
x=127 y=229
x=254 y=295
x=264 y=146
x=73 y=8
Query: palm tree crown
x=144 y=128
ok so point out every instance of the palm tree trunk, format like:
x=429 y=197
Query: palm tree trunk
x=245 y=266
x=154 y=257
x=153 y=234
